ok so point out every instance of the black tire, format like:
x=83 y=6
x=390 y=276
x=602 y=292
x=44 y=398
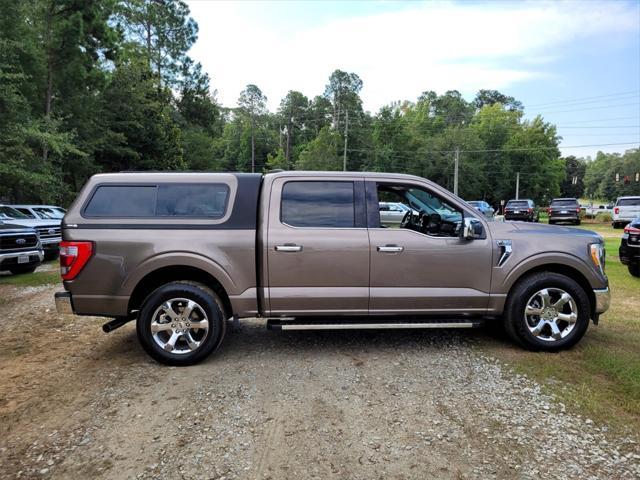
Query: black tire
x=552 y=222
x=577 y=222
x=616 y=225
x=634 y=269
x=514 y=318
x=20 y=269
x=206 y=299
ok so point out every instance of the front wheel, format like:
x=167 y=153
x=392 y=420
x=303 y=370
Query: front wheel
x=180 y=324
x=547 y=311
x=634 y=269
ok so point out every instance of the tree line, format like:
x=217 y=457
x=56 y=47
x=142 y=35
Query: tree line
x=88 y=87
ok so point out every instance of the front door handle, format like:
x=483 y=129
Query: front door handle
x=390 y=248
x=288 y=247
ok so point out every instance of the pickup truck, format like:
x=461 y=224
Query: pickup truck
x=48 y=229
x=625 y=210
x=181 y=253
x=20 y=249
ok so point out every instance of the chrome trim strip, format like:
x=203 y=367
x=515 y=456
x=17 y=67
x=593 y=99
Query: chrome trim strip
x=506 y=248
x=376 y=326
x=39 y=253
x=603 y=299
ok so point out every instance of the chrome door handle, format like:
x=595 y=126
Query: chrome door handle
x=390 y=248
x=288 y=248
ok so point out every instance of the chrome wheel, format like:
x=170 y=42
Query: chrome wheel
x=551 y=314
x=179 y=326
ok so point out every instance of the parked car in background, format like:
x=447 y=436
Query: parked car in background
x=593 y=210
x=486 y=209
x=20 y=249
x=392 y=213
x=524 y=210
x=625 y=210
x=47 y=212
x=48 y=229
x=564 y=210
x=630 y=247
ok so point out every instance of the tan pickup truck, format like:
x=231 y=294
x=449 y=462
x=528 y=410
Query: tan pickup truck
x=180 y=253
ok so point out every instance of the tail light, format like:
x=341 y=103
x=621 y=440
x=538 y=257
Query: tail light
x=578 y=209
x=616 y=210
x=529 y=210
x=73 y=257
x=549 y=210
x=631 y=229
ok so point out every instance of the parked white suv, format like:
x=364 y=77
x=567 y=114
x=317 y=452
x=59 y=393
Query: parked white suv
x=625 y=210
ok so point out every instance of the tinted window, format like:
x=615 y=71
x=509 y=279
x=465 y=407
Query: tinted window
x=9 y=212
x=168 y=200
x=318 y=204
x=629 y=202
x=523 y=204
x=176 y=200
x=122 y=201
x=564 y=203
x=26 y=212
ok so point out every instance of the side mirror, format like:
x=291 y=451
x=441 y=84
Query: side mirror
x=468 y=230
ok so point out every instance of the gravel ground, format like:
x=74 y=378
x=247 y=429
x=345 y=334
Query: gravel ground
x=76 y=403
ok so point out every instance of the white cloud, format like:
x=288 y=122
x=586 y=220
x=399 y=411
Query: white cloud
x=398 y=54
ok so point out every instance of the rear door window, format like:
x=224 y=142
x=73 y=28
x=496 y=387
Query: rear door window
x=318 y=204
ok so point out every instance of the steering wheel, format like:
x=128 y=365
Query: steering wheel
x=407 y=219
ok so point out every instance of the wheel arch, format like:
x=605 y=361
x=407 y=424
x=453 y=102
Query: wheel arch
x=153 y=280
x=562 y=269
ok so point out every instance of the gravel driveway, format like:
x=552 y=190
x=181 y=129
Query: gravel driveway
x=76 y=403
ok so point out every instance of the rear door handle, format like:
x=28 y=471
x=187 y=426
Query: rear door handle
x=390 y=248
x=288 y=248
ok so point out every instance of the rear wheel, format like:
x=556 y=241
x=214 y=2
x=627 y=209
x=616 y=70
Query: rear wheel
x=577 y=222
x=547 y=311
x=634 y=269
x=551 y=222
x=616 y=225
x=181 y=324
x=19 y=269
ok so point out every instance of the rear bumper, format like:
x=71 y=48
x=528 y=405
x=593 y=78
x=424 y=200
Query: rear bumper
x=564 y=218
x=603 y=299
x=63 y=303
x=629 y=255
x=50 y=243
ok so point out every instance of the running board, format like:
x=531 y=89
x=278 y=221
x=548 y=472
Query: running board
x=371 y=324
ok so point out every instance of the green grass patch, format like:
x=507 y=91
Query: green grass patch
x=31 y=279
x=599 y=377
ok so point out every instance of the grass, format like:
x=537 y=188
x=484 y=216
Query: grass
x=600 y=377
x=31 y=279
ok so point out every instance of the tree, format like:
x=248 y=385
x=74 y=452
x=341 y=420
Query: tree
x=251 y=105
x=573 y=183
x=294 y=111
x=342 y=90
x=165 y=32
x=491 y=97
x=321 y=153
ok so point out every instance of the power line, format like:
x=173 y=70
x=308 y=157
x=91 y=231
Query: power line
x=587 y=99
x=591 y=108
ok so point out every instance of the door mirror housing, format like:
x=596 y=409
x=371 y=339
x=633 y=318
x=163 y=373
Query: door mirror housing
x=468 y=230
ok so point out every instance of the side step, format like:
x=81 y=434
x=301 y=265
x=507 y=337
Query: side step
x=370 y=324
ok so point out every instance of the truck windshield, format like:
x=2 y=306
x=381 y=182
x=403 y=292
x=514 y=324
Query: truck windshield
x=629 y=202
x=9 y=212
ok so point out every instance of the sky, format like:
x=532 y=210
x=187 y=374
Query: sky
x=576 y=63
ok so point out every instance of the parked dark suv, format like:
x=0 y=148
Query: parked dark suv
x=564 y=210
x=630 y=247
x=524 y=210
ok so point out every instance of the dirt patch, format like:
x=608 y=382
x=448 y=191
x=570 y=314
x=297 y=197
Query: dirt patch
x=76 y=403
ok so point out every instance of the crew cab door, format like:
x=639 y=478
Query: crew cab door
x=317 y=246
x=429 y=269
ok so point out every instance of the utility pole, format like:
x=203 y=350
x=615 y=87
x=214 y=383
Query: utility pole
x=517 y=184
x=455 y=171
x=346 y=137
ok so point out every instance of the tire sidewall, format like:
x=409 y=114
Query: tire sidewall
x=191 y=292
x=525 y=289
